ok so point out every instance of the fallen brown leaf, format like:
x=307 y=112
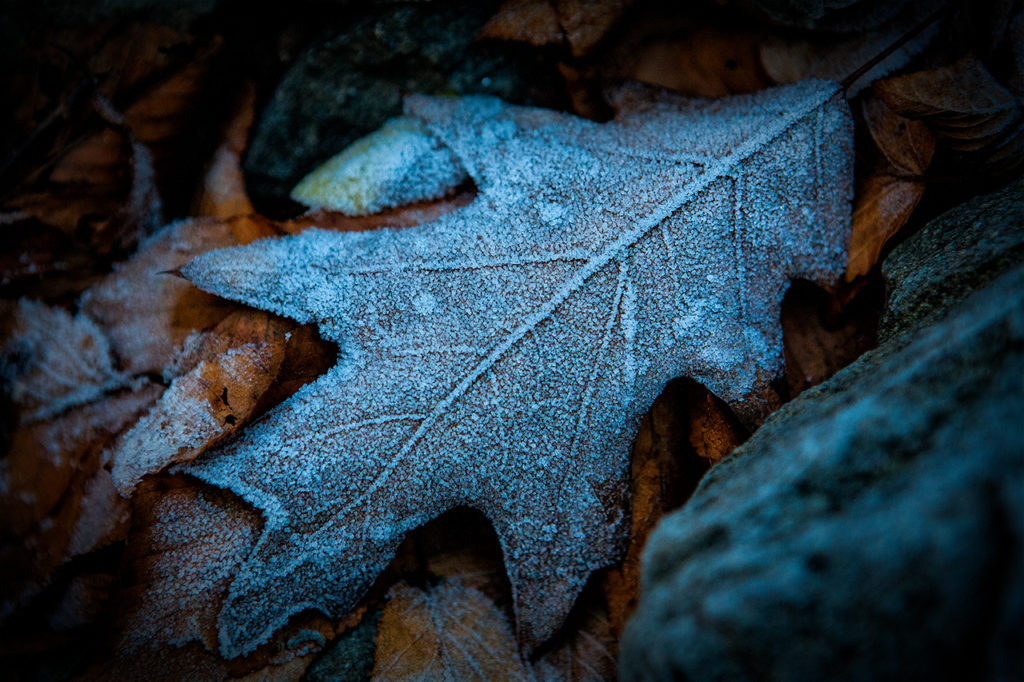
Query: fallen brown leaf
x=91 y=151
x=146 y=314
x=128 y=58
x=51 y=361
x=787 y=60
x=167 y=564
x=223 y=193
x=162 y=115
x=968 y=110
x=822 y=334
x=707 y=62
x=445 y=631
x=461 y=546
x=528 y=21
x=171 y=563
x=238 y=362
x=586 y=22
x=681 y=435
x=589 y=653
x=885 y=200
x=50 y=489
x=714 y=430
x=100 y=194
x=83 y=601
x=578 y=23
x=103 y=518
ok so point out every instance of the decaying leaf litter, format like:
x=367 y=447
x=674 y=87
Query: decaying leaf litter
x=158 y=334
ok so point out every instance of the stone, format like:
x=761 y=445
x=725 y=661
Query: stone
x=351 y=81
x=873 y=528
x=963 y=249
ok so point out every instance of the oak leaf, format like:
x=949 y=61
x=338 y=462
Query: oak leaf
x=501 y=356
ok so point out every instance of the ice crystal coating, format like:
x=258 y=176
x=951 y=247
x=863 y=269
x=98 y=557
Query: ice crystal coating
x=502 y=356
x=51 y=361
x=398 y=164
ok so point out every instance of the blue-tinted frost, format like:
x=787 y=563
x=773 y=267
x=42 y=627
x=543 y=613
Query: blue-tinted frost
x=502 y=356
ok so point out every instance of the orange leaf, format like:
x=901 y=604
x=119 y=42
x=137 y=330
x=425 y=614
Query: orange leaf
x=208 y=402
x=446 y=631
x=581 y=24
x=528 y=21
x=886 y=198
x=223 y=193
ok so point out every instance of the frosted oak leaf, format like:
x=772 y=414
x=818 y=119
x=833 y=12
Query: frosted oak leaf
x=502 y=356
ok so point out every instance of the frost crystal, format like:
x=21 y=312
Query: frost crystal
x=502 y=356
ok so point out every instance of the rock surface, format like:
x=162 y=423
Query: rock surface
x=352 y=81
x=953 y=255
x=872 y=529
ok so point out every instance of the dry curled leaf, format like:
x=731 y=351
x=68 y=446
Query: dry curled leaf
x=524 y=334
x=445 y=631
x=581 y=24
x=887 y=197
x=223 y=193
x=967 y=108
x=238 y=363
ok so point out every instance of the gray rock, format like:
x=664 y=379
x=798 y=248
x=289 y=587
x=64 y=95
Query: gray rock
x=351 y=82
x=954 y=254
x=873 y=528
